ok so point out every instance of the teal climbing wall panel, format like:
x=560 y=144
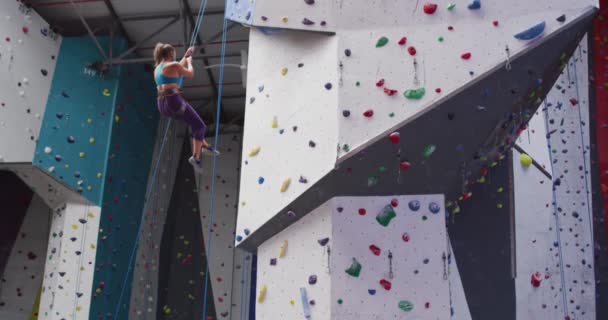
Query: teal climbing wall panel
x=135 y=121
x=75 y=132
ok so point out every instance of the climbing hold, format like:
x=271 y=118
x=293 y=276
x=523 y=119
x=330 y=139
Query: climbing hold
x=450 y=28
x=474 y=5
x=81 y=154
x=58 y=158
x=283 y=71
x=404 y=165
x=260 y=180
x=451 y=6
x=355 y=269
x=323 y=241
x=429 y=8
x=411 y=51
x=328 y=86
x=415 y=94
x=262 y=294
x=71 y=139
x=385 y=216
x=531 y=32
x=414 y=205
x=371 y=291
x=312 y=144
x=307 y=22
x=440 y=39
x=48 y=150
x=405 y=237
x=44 y=72
x=380 y=83
x=283 y=249
x=535 y=279
x=285 y=184
x=340 y=301
x=309 y=2
x=451 y=116
x=346 y=113
x=362 y=211
x=347 y=52
x=291 y=214
x=106 y=92
x=284 y=19
x=253 y=152
x=385 y=284
x=375 y=250
x=573 y=101
x=394 y=137
x=390 y=92
x=525 y=160
x=406 y=305
x=25 y=29
x=402 y=41
x=368 y=113
x=434 y=207
x=275 y=122
x=466 y=56
x=495 y=23
x=561 y=18
x=428 y=150
x=381 y=42
x=303 y=180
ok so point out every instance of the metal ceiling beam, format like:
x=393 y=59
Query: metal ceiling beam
x=91 y=34
x=160 y=16
x=116 y=21
x=188 y=11
x=150 y=36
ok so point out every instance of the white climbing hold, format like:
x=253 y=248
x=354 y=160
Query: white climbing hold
x=51 y=169
x=48 y=150
x=38 y=115
x=25 y=81
x=21 y=93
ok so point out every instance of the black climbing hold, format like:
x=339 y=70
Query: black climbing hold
x=77 y=174
x=83 y=221
x=451 y=116
x=303 y=180
x=294 y=128
x=58 y=158
x=307 y=22
x=340 y=209
x=312 y=144
x=300 y=65
x=281 y=131
x=328 y=86
x=71 y=139
x=346 y=113
x=44 y=72
x=561 y=18
x=59 y=115
x=310 y=2
x=347 y=52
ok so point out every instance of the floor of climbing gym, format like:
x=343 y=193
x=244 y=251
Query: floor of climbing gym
x=303 y=159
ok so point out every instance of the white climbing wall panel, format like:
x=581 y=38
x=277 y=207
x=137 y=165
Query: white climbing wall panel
x=302 y=143
x=303 y=257
x=144 y=289
x=540 y=233
x=70 y=262
x=22 y=275
x=223 y=257
x=419 y=271
x=27 y=63
x=534 y=141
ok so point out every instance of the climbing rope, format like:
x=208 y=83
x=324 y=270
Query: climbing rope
x=215 y=143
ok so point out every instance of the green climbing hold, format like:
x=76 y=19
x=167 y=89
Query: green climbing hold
x=340 y=301
x=381 y=42
x=392 y=114
x=382 y=169
x=406 y=305
x=386 y=215
x=414 y=93
x=428 y=150
x=525 y=160
x=354 y=270
x=357 y=83
x=451 y=6
x=372 y=180
x=346 y=148
x=440 y=39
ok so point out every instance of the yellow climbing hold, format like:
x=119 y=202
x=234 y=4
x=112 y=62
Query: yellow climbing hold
x=81 y=154
x=89 y=188
x=284 y=19
x=254 y=151
x=78 y=308
x=243 y=203
x=74 y=227
x=99 y=175
x=67 y=166
x=275 y=122
x=262 y=294
x=90 y=215
x=106 y=92
x=525 y=160
x=285 y=184
x=283 y=249
x=89 y=120
x=116 y=119
x=91 y=140
x=291 y=302
x=500 y=189
x=92 y=246
x=283 y=71
x=482 y=179
x=499 y=206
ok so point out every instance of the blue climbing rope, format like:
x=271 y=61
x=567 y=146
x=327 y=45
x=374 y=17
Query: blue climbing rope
x=193 y=39
x=215 y=143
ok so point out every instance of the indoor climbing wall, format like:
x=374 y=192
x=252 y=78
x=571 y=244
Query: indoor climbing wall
x=77 y=124
x=28 y=49
x=141 y=295
x=363 y=83
x=70 y=262
x=224 y=260
x=554 y=231
x=21 y=280
x=361 y=258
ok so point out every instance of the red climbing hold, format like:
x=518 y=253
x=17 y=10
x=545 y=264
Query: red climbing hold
x=427 y=305
x=412 y=51
x=450 y=28
x=394 y=203
x=390 y=92
x=404 y=165
x=573 y=101
x=8 y=39
x=375 y=250
x=405 y=237
x=394 y=137
x=495 y=23
x=466 y=56
x=385 y=284
x=438 y=90
x=380 y=83
x=402 y=41
x=362 y=211
x=369 y=113
x=25 y=29
x=536 y=279
x=484 y=172
x=430 y=8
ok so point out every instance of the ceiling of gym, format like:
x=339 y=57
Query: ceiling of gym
x=146 y=22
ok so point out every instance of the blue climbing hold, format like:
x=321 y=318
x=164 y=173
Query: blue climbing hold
x=239 y=238
x=414 y=205
x=71 y=139
x=59 y=115
x=474 y=5
x=246 y=231
x=323 y=241
x=531 y=32
x=434 y=207
x=261 y=180
x=371 y=291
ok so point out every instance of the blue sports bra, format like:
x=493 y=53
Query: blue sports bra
x=161 y=79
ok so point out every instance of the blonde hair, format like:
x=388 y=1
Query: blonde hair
x=162 y=51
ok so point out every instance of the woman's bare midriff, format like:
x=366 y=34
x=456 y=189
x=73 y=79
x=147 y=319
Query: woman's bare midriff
x=164 y=87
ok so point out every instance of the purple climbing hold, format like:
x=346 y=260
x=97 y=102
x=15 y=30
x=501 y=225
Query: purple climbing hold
x=414 y=205
x=303 y=180
x=312 y=302
x=273 y=261
x=264 y=18
x=312 y=279
x=65 y=94
x=307 y=22
x=291 y=214
x=347 y=52
x=340 y=209
x=346 y=113
x=323 y=241
x=83 y=221
x=323 y=23
x=328 y=86
x=310 y=2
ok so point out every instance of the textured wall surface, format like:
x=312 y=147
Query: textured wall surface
x=28 y=52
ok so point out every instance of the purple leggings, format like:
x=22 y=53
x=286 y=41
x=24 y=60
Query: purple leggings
x=174 y=106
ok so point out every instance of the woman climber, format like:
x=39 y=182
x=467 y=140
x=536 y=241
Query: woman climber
x=169 y=75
